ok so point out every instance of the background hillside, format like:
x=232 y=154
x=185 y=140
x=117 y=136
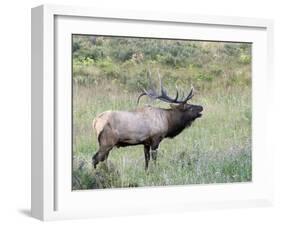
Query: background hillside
x=108 y=74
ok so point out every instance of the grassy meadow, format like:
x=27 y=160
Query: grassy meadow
x=108 y=74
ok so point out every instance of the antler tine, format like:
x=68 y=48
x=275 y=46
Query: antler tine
x=142 y=94
x=189 y=96
x=177 y=94
x=163 y=92
x=164 y=96
x=191 y=93
x=151 y=94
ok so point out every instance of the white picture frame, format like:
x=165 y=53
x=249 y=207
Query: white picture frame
x=52 y=197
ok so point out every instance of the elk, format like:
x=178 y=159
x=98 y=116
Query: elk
x=146 y=126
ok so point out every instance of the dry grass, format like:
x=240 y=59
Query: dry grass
x=216 y=149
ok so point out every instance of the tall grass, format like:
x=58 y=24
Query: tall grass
x=215 y=149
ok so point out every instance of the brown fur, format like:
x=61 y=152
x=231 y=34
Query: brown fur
x=147 y=126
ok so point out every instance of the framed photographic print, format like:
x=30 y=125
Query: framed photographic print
x=134 y=112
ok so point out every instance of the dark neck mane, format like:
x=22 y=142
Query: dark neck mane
x=177 y=122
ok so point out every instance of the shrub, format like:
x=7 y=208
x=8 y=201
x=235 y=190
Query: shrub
x=83 y=61
x=245 y=59
x=108 y=68
x=204 y=77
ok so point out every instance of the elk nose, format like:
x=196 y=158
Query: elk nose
x=200 y=108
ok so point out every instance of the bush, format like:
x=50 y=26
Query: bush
x=105 y=176
x=204 y=77
x=245 y=59
x=108 y=68
x=83 y=61
x=126 y=61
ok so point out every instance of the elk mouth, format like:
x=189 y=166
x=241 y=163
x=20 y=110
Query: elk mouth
x=196 y=116
x=199 y=115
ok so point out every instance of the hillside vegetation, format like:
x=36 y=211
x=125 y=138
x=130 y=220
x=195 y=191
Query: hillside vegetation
x=108 y=74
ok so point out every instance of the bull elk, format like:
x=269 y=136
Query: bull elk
x=147 y=126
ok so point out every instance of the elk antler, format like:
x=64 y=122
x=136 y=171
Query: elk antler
x=163 y=94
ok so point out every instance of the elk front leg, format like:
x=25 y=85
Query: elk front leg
x=146 y=155
x=154 y=147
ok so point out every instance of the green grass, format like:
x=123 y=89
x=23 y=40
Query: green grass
x=215 y=149
x=108 y=73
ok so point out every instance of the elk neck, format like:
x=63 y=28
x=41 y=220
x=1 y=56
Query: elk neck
x=177 y=122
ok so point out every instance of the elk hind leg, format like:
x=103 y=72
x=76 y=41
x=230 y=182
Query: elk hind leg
x=154 y=155
x=107 y=140
x=101 y=155
x=154 y=148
